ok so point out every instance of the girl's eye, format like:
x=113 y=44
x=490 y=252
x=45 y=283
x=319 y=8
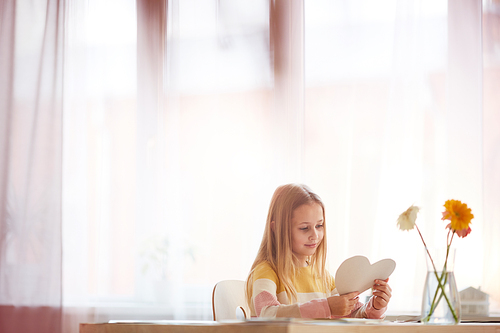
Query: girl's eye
x=304 y=228
x=319 y=226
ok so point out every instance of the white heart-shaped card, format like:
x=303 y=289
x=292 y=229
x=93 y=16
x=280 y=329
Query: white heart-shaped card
x=357 y=274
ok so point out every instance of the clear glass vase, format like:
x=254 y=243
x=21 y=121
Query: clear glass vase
x=441 y=303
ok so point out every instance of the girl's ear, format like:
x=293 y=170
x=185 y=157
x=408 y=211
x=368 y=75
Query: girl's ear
x=272 y=226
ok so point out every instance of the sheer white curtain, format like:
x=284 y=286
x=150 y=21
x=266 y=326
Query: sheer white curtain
x=180 y=118
x=395 y=116
x=491 y=148
x=169 y=154
x=100 y=131
x=31 y=63
x=371 y=73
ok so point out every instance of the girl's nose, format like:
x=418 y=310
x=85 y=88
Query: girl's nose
x=314 y=234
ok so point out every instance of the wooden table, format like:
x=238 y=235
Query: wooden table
x=285 y=326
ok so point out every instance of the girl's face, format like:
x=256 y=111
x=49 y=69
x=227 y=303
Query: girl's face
x=307 y=230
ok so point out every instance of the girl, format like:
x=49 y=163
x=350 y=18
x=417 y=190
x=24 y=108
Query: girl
x=288 y=278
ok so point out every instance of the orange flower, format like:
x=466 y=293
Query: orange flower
x=459 y=215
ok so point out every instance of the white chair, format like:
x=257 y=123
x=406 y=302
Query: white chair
x=228 y=298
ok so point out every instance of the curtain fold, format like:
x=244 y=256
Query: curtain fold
x=464 y=134
x=491 y=149
x=31 y=56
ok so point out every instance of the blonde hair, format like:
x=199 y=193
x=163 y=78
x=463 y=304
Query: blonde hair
x=276 y=245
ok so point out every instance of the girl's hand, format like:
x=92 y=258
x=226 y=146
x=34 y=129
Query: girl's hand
x=343 y=305
x=381 y=294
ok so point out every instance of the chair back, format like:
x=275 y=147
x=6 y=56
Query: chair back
x=228 y=298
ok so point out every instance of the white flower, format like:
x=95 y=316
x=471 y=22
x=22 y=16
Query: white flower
x=406 y=221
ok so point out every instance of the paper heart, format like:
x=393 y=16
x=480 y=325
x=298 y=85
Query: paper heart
x=357 y=274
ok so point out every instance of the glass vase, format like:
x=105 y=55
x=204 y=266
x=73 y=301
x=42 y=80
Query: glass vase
x=441 y=301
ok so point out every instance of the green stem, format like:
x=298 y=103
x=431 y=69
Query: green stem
x=446 y=298
x=438 y=278
x=435 y=303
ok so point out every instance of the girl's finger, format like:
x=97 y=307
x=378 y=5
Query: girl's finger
x=384 y=290
x=383 y=297
x=384 y=287
x=382 y=282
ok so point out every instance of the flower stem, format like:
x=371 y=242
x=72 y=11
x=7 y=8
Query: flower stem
x=446 y=298
x=426 y=249
x=435 y=303
x=438 y=278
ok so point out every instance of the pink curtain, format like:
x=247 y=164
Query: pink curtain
x=31 y=41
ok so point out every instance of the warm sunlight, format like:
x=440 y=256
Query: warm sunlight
x=142 y=142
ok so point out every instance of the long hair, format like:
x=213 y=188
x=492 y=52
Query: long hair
x=276 y=246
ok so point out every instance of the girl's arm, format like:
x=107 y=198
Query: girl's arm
x=266 y=304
